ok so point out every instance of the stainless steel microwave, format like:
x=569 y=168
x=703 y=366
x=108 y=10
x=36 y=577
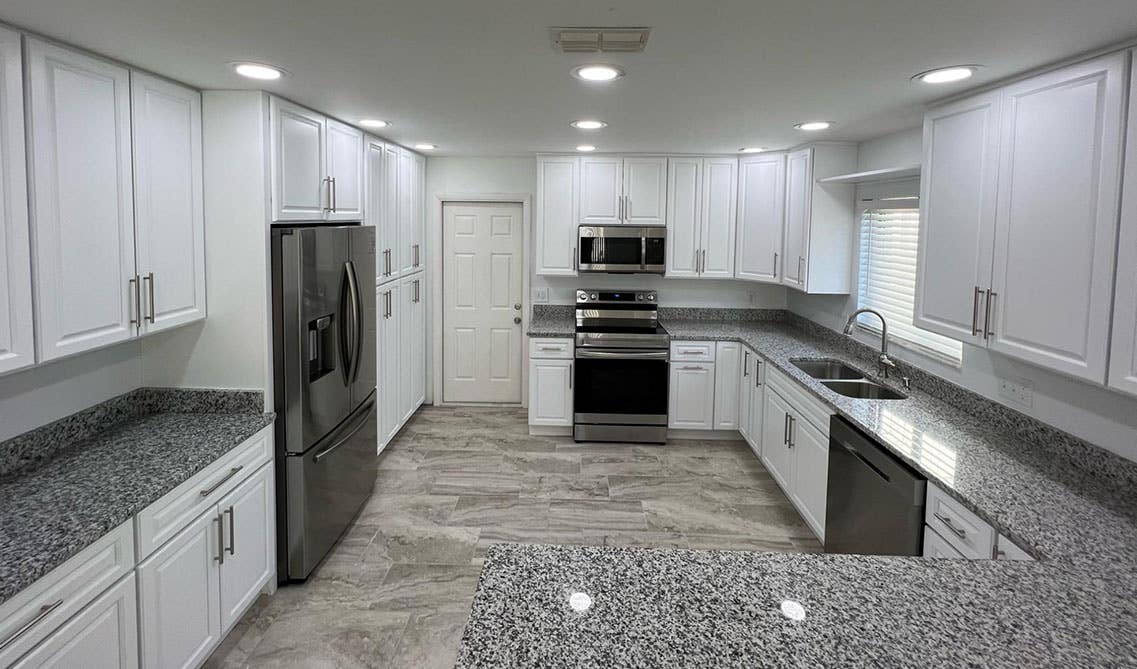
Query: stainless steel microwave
x=621 y=249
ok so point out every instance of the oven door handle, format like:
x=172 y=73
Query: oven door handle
x=623 y=355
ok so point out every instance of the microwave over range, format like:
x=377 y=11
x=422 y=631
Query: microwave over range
x=621 y=249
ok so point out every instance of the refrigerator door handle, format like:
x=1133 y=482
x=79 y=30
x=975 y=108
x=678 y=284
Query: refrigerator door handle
x=356 y=320
x=364 y=414
x=346 y=326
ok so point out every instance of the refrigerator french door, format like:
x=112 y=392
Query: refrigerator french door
x=324 y=380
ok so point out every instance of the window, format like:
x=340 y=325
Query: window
x=888 y=279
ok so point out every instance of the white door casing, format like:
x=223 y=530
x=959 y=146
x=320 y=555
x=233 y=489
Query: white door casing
x=482 y=250
x=17 y=346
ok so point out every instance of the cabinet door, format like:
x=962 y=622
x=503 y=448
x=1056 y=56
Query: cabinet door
x=776 y=453
x=645 y=190
x=345 y=167
x=299 y=173
x=683 y=242
x=413 y=325
x=957 y=217
x=550 y=392
x=16 y=338
x=600 y=191
x=727 y=363
x=757 y=401
x=1056 y=219
x=250 y=548
x=169 y=222
x=418 y=213
x=392 y=228
x=810 y=448
x=82 y=201
x=691 y=403
x=761 y=218
x=374 y=179
x=104 y=635
x=799 y=188
x=408 y=255
x=742 y=390
x=1123 y=355
x=557 y=214
x=717 y=204
x=388 y=309
x=178 y=586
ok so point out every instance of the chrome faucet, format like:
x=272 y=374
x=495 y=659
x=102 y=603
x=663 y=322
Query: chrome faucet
x=884 y=362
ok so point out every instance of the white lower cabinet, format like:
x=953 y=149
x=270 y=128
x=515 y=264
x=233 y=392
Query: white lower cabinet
x=727 y=400
x=401 y=358
x=691 y=396
x=810 y=473
x=550 y=392
x=412 y=343
x=937 y=547
x=776 y=453
x=250 y=554
x=387 y=340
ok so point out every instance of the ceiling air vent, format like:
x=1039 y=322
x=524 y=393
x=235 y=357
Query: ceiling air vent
x=600 y=40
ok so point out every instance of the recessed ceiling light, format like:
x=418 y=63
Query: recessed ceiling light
x=597 y=72
x=586 y=148
x=425 y=147
x=258 y=71
x=374 y=123
x=751 y=149
x=588 y=125
x=814 y=125
x=946 y=75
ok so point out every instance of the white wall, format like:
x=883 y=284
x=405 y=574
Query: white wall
x=46 y=393
x=1102 y=417
x=229 y=349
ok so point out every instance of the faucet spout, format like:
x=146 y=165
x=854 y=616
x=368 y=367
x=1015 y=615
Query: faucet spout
x=884 y=362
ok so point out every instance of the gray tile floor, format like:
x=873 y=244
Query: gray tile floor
x=396 y=590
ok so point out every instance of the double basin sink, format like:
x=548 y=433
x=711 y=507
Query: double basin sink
x=845 y=380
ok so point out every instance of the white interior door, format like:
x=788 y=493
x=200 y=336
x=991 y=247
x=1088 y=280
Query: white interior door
x=481 y=287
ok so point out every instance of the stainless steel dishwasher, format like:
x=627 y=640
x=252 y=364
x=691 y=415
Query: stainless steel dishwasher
x=875 y=502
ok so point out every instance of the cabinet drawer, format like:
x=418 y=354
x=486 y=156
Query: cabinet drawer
x=160 y=521
x=802 y=400
x=936 y=546
x=1007 y=550
x=965 y=531
x=692 y=351
x=45 y=605
x=550 y=348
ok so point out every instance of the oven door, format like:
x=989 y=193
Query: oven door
x=620 y=386
x=610 y=249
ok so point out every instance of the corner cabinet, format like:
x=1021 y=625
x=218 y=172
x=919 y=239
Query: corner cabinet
x=761 y=217
x=17 y=344
x=1123 y=354
x=701 y=205
x=1021 y=258
x=557 y=212
x=820 y=221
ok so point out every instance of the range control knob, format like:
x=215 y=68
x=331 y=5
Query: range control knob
x=593 y=296
x=640 y=296
x=651 y=296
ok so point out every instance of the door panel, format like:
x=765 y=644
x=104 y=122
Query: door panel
x=412 y=342
x=1056 y=221
x=717 y=206
x=727 y=356
x=557 y=214
x=957 y=217
x=684 y=184
x=1123 y=355
x=17 y=345
x=645 y=190
x=299 y=173
x=600 y=190
x=345 y=165
x=104 y=635
x=798 y=192
x=82 y=201
x=692 y=401
x=775 y=451
x=389 y=311
x=481 y=288
x=406 y=213
x=811 y=474
x=169 y=220
x=550 y=392
x=742 y=390
x=250 y=558
x=761 y=217
x=757 y=398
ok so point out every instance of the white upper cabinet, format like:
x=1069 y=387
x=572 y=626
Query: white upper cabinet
x=392 y=262
x=412 y=169
x=168 y=218
x=1056 y=217
x=718 y=202
x=684 y=245
x=957 y=216
x=345 y=172
x=700 y=208
x=645 y=190
x=16 y=342
x=761 y=217
x=819 y=219
x=300 y=184
x=418 y=204
x=601 y=201
x=557 y=212
x=373 y=162
x=1123 y=355
x=82 y=200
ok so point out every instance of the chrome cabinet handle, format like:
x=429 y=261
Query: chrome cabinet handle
x=627 y=207
x=389 y=270
x=757 y=372
x=220 y=559
x=232 y=472
x=988 y=331
x=333 y=192
x=704 y=261
x=40 y=615
x=746 y=363
x=232 y=530
x=800 y=262
x=570 y=376
x=416 y=291
x=975 y=311
x=793 y=423
x=415 y=247
x=786 y=429
x=550 y=348
x=328 y=181
x=136 y=311
x=690 y=368
x=150 y=278
x=775 y=263
x=574 y=259
x=959 y=532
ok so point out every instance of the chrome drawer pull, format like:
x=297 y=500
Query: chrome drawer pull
x=962 y=534
x=215 y=486
x=232 y=530
x=43 y=613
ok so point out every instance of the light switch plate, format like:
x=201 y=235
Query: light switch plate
x=1019 y=394
x=541 y=295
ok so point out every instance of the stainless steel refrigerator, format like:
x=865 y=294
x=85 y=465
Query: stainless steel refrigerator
x=323 y=313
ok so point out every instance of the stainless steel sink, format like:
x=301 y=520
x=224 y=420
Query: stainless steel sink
x=862 y=389
x=828 y=368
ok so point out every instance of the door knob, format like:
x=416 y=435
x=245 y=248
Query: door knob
x=517 y=320
x=517 y=306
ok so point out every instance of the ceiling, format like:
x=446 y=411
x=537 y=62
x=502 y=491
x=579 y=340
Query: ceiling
x=481 y=77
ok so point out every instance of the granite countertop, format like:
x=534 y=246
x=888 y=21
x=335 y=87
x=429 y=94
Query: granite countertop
x=1076 y=606
x=55 y=508
x=552 y=324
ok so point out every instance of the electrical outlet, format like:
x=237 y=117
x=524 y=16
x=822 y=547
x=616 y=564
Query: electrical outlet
x=1016 y=393
x=541 y=295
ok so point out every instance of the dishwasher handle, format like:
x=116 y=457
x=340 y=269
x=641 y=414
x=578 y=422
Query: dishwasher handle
x=894 y=473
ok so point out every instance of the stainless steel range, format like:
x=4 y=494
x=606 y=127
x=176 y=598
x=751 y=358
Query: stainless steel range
x=620 y=370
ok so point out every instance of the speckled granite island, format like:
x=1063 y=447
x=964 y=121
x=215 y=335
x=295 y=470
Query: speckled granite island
x=1073 y=506
x=65 y=485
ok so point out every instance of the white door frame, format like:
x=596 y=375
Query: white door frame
x=436 y=290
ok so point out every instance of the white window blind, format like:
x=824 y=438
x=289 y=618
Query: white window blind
x=888 y=280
